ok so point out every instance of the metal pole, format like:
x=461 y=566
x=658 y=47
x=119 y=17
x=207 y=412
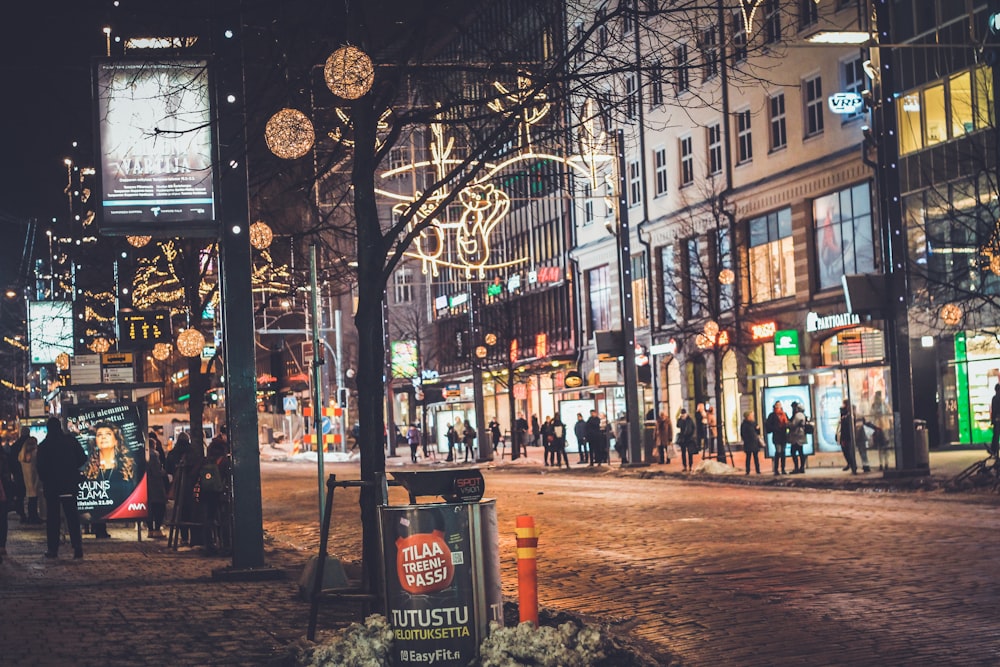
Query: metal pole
x=630 y=372
x=339 y=373
x=317 y=373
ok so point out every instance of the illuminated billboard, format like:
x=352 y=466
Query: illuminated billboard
x=404 y=357
x=154 y=131
x=50 y=330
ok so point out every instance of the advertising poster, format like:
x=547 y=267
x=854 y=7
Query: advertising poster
x=442 y=580
x=404 y=359
x=50 y=330
x=113 y=483
x=154 y=125
x=798 y=393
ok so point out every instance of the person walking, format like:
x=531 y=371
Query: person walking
x=712 y=431
x=547 y=438
x=495 y=434
x=750 y=434
x=664 y=436
x=535 y=430
x=60 y=457
x=777 y=425
x=452 y=437
x=413 y=440
x=28 y=461
x=847 y=434
x=621 y=439
x=559 y=443
x=580 y=431
x=16 y=493
x=701 y=428
x=469 y=440
x=156 y=488
x=797 y=438
x=687 y=439
x=595 y=438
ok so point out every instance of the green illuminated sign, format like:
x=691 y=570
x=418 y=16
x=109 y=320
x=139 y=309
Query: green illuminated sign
x=786 y=342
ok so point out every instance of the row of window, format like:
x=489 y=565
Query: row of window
x=694 y=283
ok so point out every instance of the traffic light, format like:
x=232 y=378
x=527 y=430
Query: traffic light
x=342 y=397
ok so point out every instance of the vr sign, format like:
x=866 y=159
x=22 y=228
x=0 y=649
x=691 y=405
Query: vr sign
x=846 y=103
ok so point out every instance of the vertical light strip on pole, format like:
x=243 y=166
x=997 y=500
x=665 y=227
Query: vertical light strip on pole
x=317 y=376
x=631 y=374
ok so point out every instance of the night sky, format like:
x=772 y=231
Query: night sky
x=45 y=57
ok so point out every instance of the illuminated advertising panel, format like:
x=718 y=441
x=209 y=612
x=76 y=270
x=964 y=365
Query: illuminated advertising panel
x=404 y=359
x=787 y=395
x=154 y=131
x=50 y=330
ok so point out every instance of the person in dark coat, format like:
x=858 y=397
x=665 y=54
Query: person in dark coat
x=777 y=425
x=547 y=437
x=558 y=444
x=60 y=457
x=580 y=431
x=156 y=488
x=452 y=437
x=750 y=435
x=664 y=436
x=469 y=440
x=687 y=439
x=495 y=433
x=847 y=434
x=595 y=438
x=797 y=438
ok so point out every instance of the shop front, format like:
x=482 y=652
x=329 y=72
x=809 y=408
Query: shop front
x=969 y=380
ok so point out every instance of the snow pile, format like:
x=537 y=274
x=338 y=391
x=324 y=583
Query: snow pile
x=713 y=467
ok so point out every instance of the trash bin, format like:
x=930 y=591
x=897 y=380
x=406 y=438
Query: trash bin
x=921 y=454
x=442 y=569
x=648 y=442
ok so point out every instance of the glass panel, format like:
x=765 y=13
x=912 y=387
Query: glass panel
x=935 y=121
x=910 y=137
x=786 y=254
x=784 y=222
x=984 y=98
x=961 y=105
x=758 y=232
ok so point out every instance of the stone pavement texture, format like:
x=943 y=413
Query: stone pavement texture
x=137 y=602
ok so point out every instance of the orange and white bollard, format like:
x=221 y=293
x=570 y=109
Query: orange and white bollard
x=527 y=568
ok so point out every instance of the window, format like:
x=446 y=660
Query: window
x=631 y=96
x=578 y=42
x=744 y=147
x=714 y=149
x=652 y=5
x=682 y=77
x=776 y=111
x=397 y=157
x=772 y=21
x=696 y=285
x=709 y=54
x=588 y=204
x=960 y=116
x=739 y=32
x=602 y=31
x=656 y=85
x=605 y=105
x=854 y=82
x=772 y=260
x=599 y=282
x=813 y=89
x=640 y=291
x=935 y=118
x=634 y=184
x=944 y=110
x=844 y=242
x=669 y=311
x=403 y=285
x=687 y=161
x=808 y=13
x=660 y=164
x=626 y=10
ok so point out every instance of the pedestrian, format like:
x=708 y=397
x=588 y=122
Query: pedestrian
x=213 y=483
x=712 y=431
x=797 y=437
x=701 y=427
x=664 y=436
x=16 y=494
x=28 y=461
x=621 y=439
x=846 y=434
x=750 y=434
x=520 y=437
x=535 y=430
x=181 y=463
x=595 y=438
x=880 y=416
x=495 y=434
x=580 y=431
x=156 y=488
x=60 y=457
x=861 y=441
x=995 y=420
x=468 y=439
x=687 y=439
x=413 y=440
x=548 y=438
x=452 y=436
x=777 y=425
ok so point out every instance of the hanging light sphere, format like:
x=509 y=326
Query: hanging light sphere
x=100 y=345
x=261 y=235
x=190 y=342
x=289 y=134
x=161 y=351
x=727 y=277
x=62 y=361
x=349 y=72
x=138 y=241
x=995 y=264
x=711 y=329
x=951 y=314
